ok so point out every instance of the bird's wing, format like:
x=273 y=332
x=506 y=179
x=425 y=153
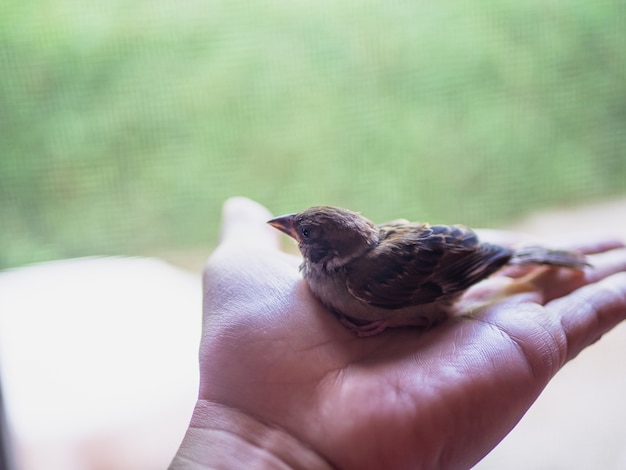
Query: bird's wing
x=418 y=264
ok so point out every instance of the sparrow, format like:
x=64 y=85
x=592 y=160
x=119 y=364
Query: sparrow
x=400 y=273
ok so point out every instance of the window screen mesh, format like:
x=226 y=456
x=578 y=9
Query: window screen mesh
x=125 y=124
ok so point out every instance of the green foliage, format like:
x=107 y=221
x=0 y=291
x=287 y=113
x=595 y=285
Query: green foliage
x=124 y=125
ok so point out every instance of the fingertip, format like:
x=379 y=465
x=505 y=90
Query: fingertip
x=245 y=221
x=242 y=208
x=589 y=312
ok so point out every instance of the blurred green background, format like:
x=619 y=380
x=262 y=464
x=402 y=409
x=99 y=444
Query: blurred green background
x=125 y=124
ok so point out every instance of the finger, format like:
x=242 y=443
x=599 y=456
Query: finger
x=582 y=243
x=244 y=222
x=585 y=243
x=589 y=312
x=605 y=264
x=554 y=283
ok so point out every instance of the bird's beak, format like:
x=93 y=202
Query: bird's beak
x=285 y=223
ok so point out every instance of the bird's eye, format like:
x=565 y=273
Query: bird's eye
x=305 y=232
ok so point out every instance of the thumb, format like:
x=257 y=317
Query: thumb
x=244 y=224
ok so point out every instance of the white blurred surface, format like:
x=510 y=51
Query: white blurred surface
x=99 y=361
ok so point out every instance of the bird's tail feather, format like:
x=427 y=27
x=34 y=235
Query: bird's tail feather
x=541 y=255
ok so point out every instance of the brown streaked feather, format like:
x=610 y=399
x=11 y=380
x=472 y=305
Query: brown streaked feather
x=419 y=264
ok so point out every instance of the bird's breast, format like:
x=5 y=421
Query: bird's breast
x=330 y=287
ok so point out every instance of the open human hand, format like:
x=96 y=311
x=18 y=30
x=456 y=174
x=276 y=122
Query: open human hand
x=284 y=385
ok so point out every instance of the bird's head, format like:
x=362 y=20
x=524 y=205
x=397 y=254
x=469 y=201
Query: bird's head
x=329 y=236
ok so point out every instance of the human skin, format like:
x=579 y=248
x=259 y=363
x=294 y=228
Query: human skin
x=284 y=385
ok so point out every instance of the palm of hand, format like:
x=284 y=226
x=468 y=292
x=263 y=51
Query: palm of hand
x=272 y=351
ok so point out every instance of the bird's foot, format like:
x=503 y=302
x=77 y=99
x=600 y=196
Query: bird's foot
x=364 y=329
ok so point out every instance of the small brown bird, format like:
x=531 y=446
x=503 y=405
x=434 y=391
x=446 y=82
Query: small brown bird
x=401 y=273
